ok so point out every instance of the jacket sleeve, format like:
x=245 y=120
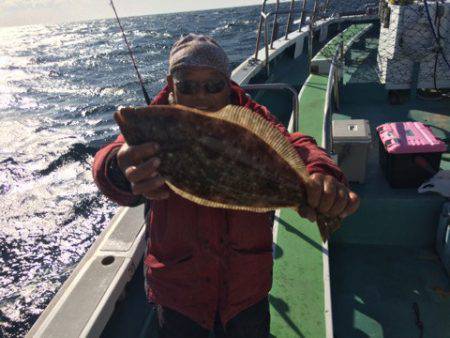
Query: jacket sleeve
x=110 y=179
x=315 y=158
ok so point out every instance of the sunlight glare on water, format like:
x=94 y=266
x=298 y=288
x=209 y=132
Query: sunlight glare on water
x=59 y=86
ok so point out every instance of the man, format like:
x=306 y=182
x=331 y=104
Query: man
x=209 y=268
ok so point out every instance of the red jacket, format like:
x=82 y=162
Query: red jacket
x=201 y=260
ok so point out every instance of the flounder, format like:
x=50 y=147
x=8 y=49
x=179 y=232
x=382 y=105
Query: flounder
x=232 y=158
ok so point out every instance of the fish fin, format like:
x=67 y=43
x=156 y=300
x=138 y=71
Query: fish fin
x=213 y=204
x=118 y=117
x=324 y=232
x=327 y=226
x=264 y=130
x=125 y=119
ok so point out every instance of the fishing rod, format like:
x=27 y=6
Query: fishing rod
x=141 y=81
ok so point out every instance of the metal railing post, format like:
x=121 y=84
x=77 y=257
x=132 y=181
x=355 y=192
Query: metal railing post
x=332 y=100
x=258 y=37
x=325 y=7
x=326 y=134
x=310 y=42
x=303 y=15
x=314 y=14
x=336 y=76
x=275 y=25
x=280 y=86
x=266 y=42
x=288 y=26
x=311 y=35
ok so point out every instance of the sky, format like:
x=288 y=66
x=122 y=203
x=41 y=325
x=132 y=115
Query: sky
x=27 y=12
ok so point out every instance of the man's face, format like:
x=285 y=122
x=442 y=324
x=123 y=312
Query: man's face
x=201 y=88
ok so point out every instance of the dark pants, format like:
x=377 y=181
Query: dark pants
x=253 y=322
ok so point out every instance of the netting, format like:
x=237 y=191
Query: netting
x=342 y=7
x=414 y=45
x=410 y=49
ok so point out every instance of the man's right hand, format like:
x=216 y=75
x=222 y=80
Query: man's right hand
x=139 y=165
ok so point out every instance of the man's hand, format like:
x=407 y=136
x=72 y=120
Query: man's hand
x=328 y=197
x=139 y=165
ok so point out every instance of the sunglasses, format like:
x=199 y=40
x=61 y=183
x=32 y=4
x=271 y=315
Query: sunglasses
x=189 y=87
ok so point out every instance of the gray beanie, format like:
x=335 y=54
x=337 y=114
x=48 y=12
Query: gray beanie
x=198 y=50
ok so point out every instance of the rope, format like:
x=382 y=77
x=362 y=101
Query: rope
x=436 y=37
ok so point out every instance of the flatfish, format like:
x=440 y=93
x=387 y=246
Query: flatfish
x=232 y=158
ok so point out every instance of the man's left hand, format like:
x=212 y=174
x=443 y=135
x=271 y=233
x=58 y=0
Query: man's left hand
x=329 y=197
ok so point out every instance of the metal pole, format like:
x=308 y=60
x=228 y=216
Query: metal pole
x=325 y=7
x=288 y=27
x=280 y=86
x=275 y=25
x=326 y=134
x=266 y=43
x=341 y=59
x=303 y=15
x=311 y=35
x=314 y=11
x=258 y=37
x=310 y=42
x=336 y=87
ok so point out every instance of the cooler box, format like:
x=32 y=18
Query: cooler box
x=403 y=148
x=443 y=237
x=351 y=142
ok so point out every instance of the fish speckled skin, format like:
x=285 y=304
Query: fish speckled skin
x=214 y=159
x=232 y=158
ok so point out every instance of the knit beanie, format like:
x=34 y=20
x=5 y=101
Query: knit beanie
x=198 y=50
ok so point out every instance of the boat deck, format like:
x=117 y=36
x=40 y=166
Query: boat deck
x=383 y=259
x=375 y=288
x=134 y=316
x=322 y=60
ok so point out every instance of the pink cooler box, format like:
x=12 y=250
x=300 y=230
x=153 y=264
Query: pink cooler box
x=409 y=153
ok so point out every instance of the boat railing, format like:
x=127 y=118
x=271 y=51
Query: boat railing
x=264 y=21
x=280 y=86
x=332 y=99
x=319 y=11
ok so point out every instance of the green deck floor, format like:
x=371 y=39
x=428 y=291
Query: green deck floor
x=328 y=51
x=296 y=299
x=297 y=296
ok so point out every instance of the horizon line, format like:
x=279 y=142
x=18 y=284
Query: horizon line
x=124 y=17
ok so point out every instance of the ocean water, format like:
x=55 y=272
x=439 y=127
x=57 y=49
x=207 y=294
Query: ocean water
x=59 y=86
